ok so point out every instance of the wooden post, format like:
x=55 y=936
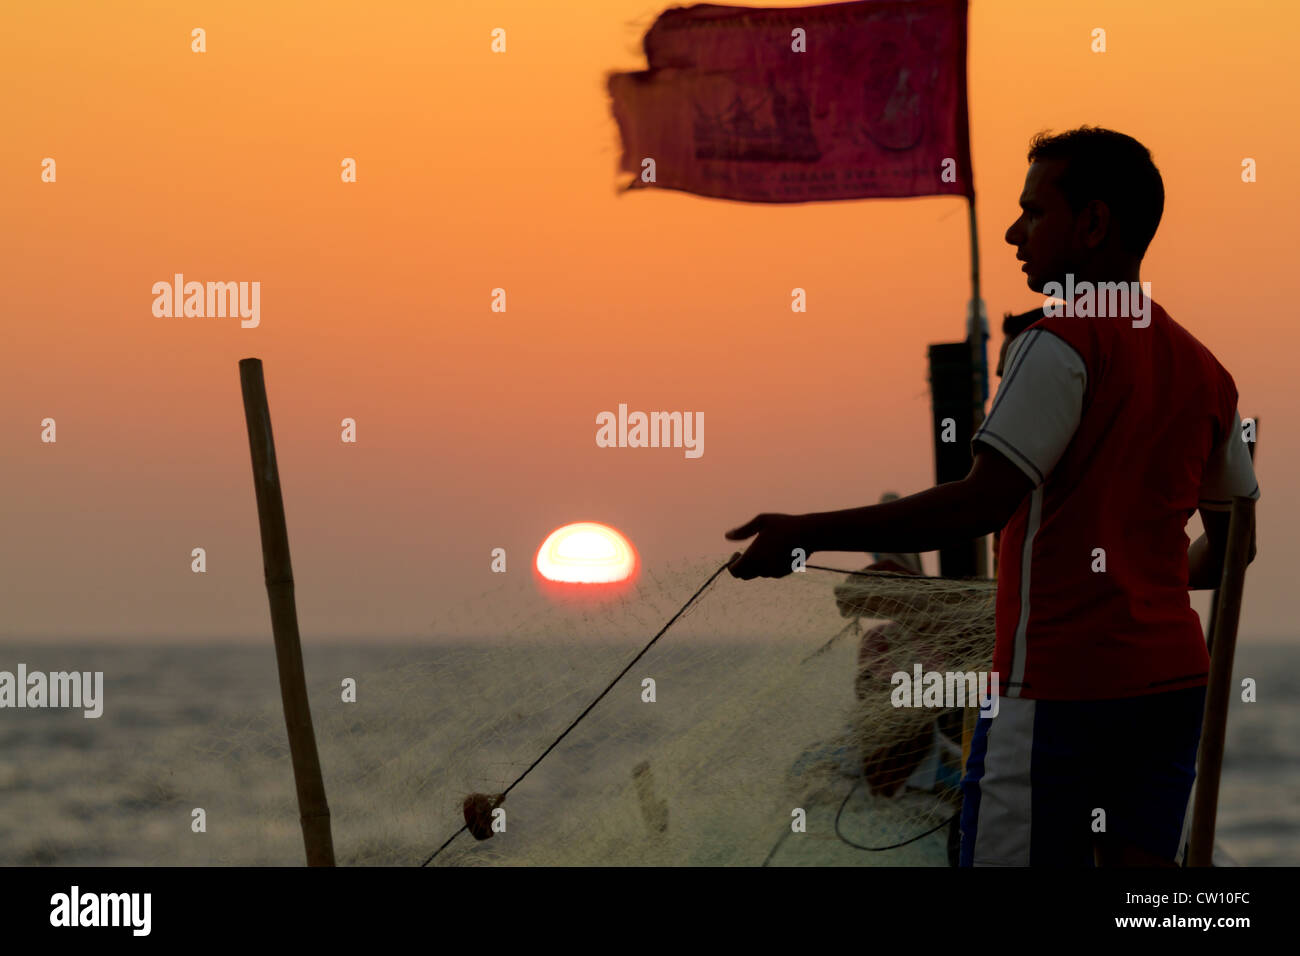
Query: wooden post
x=1219 y=690
x=1214 y=597
x=976 y=339
x=952 y=397
x=314 y=812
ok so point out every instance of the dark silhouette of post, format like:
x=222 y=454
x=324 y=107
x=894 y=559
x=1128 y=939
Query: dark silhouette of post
x=1219 y=690
x=1214 y=598
x=314 y=812
x=952 y=373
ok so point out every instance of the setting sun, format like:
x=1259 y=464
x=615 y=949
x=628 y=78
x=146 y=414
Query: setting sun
x=586 y=553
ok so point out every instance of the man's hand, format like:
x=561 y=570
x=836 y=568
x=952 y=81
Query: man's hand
x=771 y=555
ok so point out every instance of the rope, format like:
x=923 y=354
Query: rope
x=851 y=626
x=662 y=631
x=858 y=846
x=973 y=582
x=772 y=852
x=879 y=849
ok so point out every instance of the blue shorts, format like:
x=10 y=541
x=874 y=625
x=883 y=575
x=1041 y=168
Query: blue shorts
x=1040 y=770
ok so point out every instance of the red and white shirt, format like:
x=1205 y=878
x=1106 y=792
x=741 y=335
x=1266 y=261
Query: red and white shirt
x=1124 y=432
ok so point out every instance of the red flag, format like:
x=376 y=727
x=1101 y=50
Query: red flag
x=873 y=106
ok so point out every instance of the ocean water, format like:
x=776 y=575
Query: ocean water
x=201 y=727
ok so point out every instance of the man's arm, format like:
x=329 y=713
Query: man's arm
x=1207 y=553
x=1228 y=472
x=1034 y=416
x=945 y=515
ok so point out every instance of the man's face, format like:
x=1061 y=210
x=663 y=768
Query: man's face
x=1045 y=233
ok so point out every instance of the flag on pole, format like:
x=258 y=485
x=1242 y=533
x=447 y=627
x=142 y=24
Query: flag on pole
x=800 y=104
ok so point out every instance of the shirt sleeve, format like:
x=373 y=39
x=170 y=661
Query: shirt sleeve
x=1229 y=472
x=1038 y=405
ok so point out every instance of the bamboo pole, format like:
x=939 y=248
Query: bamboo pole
x=979 y=358
x=314 y=812
x=1214 y=597
x=1219 y=690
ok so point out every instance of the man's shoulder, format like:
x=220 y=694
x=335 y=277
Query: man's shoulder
x=1069 y=339
x=1195 y=346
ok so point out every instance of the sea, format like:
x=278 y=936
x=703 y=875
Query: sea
x=189 y=765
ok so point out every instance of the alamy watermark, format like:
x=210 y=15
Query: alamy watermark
x=1103 y=300
x=945 y=690
x=653 y=430
x=74 y=689
x=133 y=910
x=217 y=300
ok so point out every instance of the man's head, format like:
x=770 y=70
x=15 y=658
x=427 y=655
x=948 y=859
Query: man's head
x=1091 y=204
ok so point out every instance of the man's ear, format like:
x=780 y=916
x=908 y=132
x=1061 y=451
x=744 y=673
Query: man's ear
x=1097 y=223
x=999 y=485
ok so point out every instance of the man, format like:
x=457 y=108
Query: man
x=1104 y=437
x=1012 y=326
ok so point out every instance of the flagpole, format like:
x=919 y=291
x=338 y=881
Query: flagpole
x=976 y=335
x=976 y=332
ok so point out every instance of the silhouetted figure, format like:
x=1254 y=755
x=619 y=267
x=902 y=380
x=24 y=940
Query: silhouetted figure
x=1112 y=424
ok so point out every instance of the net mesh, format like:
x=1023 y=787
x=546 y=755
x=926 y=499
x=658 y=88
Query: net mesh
x=765 y=701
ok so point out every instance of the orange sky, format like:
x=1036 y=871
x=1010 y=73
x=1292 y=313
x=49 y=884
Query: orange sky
x=478 y=170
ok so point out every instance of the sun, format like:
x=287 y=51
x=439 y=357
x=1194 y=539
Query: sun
x=586 y=553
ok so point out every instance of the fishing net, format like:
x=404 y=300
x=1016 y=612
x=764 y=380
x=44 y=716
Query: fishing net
x=764 y=706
